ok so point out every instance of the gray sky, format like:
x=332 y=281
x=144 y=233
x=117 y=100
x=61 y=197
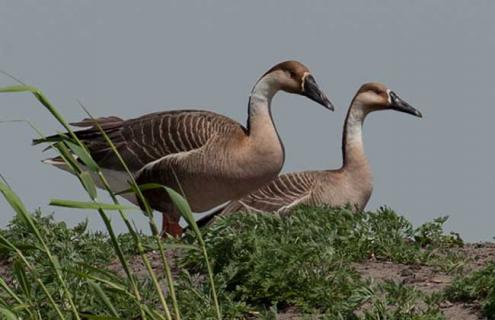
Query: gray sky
x=122 y=59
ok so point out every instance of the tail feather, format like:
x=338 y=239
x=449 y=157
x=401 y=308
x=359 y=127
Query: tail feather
x=208 y=219
x=227 y=209
x=50 y=139
x=57 y=161
x=102 y=121
x=108 y=124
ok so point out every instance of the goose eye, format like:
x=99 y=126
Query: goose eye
x=292 y=74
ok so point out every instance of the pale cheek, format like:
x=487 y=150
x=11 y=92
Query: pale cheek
x=389 y=98
x=304 y=80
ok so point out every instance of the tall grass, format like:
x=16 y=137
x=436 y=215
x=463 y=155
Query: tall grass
x=79 y=161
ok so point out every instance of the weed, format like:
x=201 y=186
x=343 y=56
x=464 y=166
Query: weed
x=304 y=260
x=397 y=301
x=478 y=286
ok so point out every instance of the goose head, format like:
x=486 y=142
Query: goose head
x=374 y=96
x=294 y=77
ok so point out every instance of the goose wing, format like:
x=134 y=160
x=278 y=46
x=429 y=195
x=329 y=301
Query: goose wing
x=281 y=194
x=148 y=138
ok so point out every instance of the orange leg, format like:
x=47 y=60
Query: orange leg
x=170 y=225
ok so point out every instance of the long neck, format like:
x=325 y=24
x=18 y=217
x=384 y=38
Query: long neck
x=354 y=157
x=259 y=112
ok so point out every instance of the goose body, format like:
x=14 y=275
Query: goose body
x=207 y=156
x=352 y=184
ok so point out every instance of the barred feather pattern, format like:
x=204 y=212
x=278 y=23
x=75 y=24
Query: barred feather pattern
x=143 y=140
x=279 y=195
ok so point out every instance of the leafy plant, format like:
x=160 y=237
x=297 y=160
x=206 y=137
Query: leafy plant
x=306 y=259
x=397 y=301
x=478 y=286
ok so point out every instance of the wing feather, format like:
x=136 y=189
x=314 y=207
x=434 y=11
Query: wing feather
x=150 y=137
x=283 y=192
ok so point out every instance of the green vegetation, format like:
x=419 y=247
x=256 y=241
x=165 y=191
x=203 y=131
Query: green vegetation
x=243 y=267
x=261 y=263
x=80 y=257
x=478 y=286
x=306 y=260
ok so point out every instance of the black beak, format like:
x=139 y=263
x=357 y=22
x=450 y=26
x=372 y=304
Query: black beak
x=312 y=91
x=400 y=105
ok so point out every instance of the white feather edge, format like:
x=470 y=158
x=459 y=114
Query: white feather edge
x=117 y=180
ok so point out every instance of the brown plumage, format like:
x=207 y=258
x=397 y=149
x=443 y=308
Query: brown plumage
x=351 y=184
x=209 y=157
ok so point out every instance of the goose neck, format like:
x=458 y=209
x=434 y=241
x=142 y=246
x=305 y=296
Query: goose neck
x=259 y=111
x=352 y=142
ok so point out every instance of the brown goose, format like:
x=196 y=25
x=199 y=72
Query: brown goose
x=214 y=158
x=351 y=184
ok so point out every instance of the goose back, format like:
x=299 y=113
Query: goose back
x=151 y=137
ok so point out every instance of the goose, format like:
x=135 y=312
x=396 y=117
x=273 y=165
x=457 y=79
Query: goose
x=208 y=157
x=352 y=184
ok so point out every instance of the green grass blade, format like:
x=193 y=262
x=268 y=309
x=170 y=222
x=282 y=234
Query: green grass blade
x=98 y=317
x=88 y=184
x=89 y=205
x=18 y=88
x=181 y=204
x=156 y=235
x=45 y=102
x=142 y=187
x=20 y=276
x=9 y=291
x=50 y=299
x=6 y=243
x=186 y=212
x=14 y=202
x=68 y=158
x=112 y=284
x=42 y=99
x=8 y=314
x=83 y=155
x=153 y=314
x=106 y=300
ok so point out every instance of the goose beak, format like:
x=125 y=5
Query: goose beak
x=313 y=91
x=400 y=105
